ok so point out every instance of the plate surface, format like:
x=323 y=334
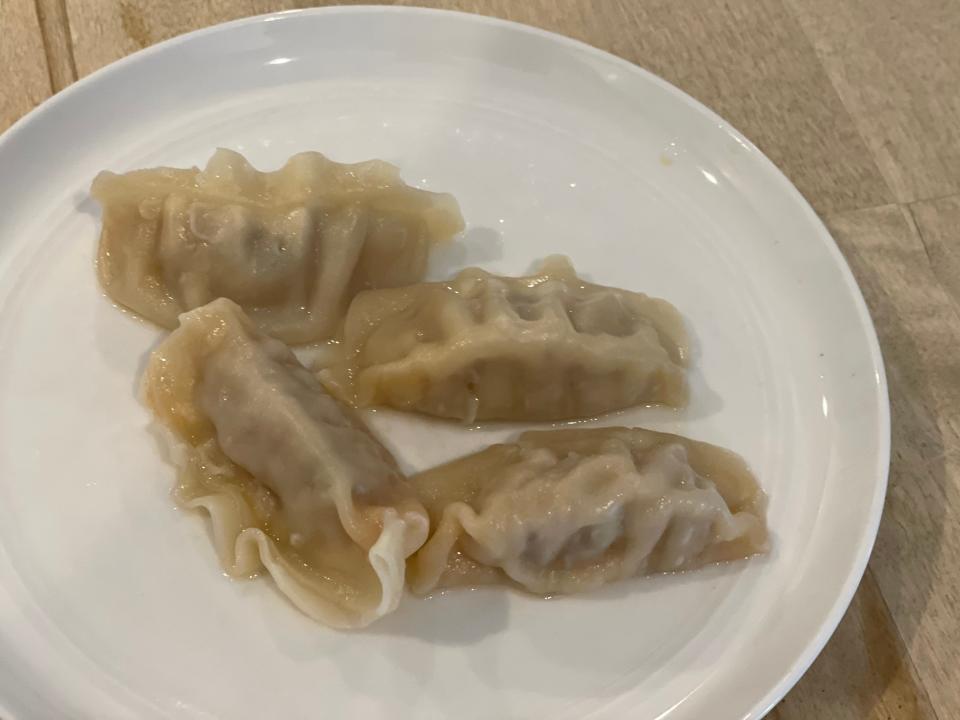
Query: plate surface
x=111 y=601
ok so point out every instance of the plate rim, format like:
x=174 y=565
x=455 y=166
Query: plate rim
x=867 y=540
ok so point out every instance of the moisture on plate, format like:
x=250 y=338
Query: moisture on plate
x=549 y=346
x=292 y=247
x=566 y=511
x=292 y=481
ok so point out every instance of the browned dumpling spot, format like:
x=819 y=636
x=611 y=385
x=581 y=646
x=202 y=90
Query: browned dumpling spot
x=291 y=247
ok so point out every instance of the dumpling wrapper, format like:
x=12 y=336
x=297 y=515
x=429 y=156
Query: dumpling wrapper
x=292 y=481
x=292 y=246
x=484 y=347
x=565 y=511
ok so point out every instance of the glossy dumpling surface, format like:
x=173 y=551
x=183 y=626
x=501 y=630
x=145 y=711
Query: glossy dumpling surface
x=292 y=246
x=293 y=483
x=565 y=511
x=484 y=347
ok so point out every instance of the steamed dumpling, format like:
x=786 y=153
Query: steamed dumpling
x=484 y=347
x=292 y=247
x=566 y=511
x=292 y=481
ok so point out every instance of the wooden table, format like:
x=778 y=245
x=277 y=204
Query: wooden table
x=858 y=102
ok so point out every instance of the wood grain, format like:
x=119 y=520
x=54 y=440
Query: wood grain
x=938 y=222
x=747 y=59
x=895 y=65
x=895 y=654
x=915 y=557
x=55 y=31
x=864 y=673
x=24 y=82
x=859 y=103
x=102 y=32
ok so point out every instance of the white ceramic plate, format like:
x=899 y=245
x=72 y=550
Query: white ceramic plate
x=111 y=601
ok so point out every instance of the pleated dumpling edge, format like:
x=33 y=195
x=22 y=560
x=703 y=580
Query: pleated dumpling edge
x=292 y=481
x=290 y=246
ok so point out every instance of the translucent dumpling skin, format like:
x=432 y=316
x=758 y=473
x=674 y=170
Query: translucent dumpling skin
x=565 y=511
x=292 y=481
x=483 y=347
x=292 y=247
